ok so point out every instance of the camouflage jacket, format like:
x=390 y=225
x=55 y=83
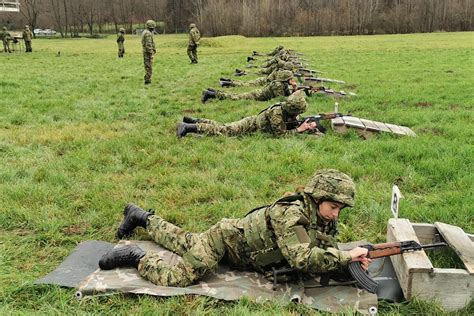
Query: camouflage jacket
x=274 y=89
x=27 y=35
x=148 y=43
x=5 y=36
x=194 y=37
x=274 y=120
x=292 y=233
x=120 y=38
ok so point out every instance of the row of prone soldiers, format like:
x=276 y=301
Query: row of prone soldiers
x=283 y=118
x=6 y=38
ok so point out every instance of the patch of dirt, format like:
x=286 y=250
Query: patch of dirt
x=77 y=229
x=189 y=111
x=350 y=86
x=424 y=104
x=431 y=130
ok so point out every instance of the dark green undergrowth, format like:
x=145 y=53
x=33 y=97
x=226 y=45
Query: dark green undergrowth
x=80 y=136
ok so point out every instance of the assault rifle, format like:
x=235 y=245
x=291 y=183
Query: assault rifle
x=361 y=276
x=384 y=250
x=303 y=77
x=310 y=90
x=318 y=118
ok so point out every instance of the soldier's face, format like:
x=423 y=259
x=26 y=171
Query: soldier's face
x=330 y=210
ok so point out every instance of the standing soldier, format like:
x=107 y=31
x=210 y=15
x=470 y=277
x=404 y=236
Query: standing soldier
x=5 y=37
x=194 y=37
x=27 y=37
x=149 y=49
x=120 y=40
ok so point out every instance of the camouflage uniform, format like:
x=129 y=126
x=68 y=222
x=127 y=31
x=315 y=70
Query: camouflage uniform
x=287 y=233
x=27 y=37
x=5 y=37
x=276 y=88
x=193 y=43
x=262 y=80
x=120 y=41
x=149 y=50
x=278 y=119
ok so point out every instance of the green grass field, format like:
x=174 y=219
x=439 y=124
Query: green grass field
x=80 y=136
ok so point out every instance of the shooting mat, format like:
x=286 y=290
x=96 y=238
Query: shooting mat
x=80 y=270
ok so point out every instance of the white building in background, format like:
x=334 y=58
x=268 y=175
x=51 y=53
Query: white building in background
x=9 y=6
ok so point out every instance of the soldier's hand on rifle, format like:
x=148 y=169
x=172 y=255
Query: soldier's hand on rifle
x=305 y=126
x=360 y=254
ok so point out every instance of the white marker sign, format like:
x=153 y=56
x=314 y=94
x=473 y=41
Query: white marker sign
x=396 y=196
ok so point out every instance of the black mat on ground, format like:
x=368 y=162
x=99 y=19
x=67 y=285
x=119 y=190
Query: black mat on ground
x=78 y=265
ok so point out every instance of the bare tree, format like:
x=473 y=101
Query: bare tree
x=31 y=10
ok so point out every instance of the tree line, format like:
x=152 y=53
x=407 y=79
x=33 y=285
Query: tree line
x=248 y=17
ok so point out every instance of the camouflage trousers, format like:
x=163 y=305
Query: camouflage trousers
x=28 y=48
x=6 y=46
x=258 y=95
x=121 y=50
x=192 y=53
x=251 y=83
x=200 y=252
x=244 y=126
x=148 y=62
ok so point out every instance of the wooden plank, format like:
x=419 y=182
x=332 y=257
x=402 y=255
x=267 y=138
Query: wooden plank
x=395 y=129
x=425 y=232
x=353 y=122
x=400 y=267
x=471 y=237
x=408 y=131
x=405 y=265
x=453 y=288
x=459 y=242
x=337 y=121
x=370 y=125
x=382 y=127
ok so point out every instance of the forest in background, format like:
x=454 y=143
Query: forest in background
x=247 y=17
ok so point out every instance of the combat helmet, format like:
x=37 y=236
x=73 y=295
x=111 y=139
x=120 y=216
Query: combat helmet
x=122 y=30
x=284 y=75
x=296 y=103
x=331 y=185
x=4 y=28
x=192 y=25
x=287 y=65
x=150 y=24
x=27 y=27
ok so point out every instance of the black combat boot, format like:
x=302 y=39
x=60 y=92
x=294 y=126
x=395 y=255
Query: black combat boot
x=184 y=128
x=239 y=72
x=127 y=256
x=208 y=94
x=134 y=216
x=250 y=59
x=225 y=83
x=190 y=120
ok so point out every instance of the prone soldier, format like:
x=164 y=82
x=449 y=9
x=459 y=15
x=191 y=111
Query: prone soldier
x=295 y=232
x=261 y=81
x=275 y=88
x=279 y=119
